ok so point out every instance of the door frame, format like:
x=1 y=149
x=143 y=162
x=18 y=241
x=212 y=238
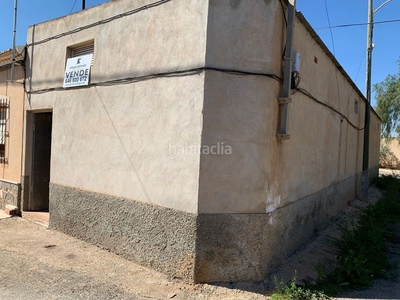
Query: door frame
x=28 y=155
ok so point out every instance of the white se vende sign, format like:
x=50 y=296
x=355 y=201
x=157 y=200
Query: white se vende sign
x=77 y=71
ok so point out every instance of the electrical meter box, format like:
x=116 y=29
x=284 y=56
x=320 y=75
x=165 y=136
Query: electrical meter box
x=296 y=62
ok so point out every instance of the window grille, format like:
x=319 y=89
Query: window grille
x=82 y=50
x=4 y=105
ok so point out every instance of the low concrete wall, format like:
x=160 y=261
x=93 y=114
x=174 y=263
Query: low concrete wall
x=392 y=158
x=10 y=193
x=200 y=248
x=159 y=238
x=248 y=247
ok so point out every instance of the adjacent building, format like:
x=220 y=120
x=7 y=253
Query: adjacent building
x=168 y=153
x=11 y=127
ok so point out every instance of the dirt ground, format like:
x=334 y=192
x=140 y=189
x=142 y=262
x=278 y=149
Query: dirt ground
x=37 y=263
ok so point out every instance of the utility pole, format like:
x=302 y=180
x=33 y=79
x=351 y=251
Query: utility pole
x=370 y=47
x=14 y=39
x=365 y=177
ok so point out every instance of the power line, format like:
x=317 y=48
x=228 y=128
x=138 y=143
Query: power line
x=334 y=52
x=330 y=27
x=358 y=24
x=73 y=7
x=358 y=72
x=196 y=71
x=309 y=95
x=128 y=13
x=283 y=12
x=188 y=72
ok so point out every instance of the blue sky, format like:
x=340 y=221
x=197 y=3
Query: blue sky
x=349 y=43
x=32 y=12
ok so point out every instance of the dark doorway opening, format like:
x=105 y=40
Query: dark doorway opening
x=41 y=155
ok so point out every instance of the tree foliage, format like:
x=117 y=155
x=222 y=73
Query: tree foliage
x=387 y=94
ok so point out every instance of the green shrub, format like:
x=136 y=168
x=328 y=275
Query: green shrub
x=362 y=256
x=296 y=292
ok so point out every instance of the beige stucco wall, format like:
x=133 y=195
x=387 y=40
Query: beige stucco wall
x=139 y=44
x=263 y=174
x=238 y=110
x=242 y=212
x=121 y=140
x=392 y=160
x=394 y=147
x=11 y=170
x=130 y=157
